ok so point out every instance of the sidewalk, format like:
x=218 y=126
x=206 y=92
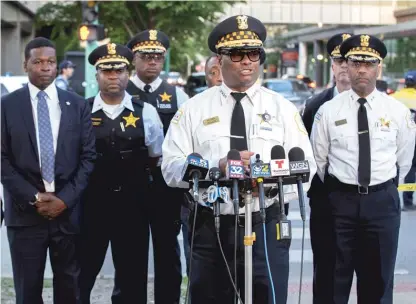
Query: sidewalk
x=405 y=294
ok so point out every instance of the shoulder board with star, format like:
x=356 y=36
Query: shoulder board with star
x=137 y=101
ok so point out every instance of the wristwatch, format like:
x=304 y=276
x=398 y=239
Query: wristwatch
x=34 y=199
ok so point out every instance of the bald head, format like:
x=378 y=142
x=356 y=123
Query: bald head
x=213 y=71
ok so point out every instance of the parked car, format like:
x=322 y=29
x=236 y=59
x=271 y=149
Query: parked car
x=173 y=78
x=12 y=83
x=293 y=90
x=308 y=81
x=195 y=84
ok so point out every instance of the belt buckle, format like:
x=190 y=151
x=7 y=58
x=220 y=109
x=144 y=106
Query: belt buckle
x=118 y=189
x=362 y=189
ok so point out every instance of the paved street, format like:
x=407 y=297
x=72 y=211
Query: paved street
x=405 y=290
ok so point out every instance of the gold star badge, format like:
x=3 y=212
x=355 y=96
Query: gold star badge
x=165 y=97
x=265 y=117
x=131 y=120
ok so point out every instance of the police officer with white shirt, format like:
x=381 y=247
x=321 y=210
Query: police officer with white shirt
x=358 y=138
x=149 y=48
x=129 y=137
x=232 y=116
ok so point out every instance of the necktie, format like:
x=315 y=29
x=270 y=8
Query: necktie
x=47 y=154
x=238 y=124
x=364 y=158
x=147 y=88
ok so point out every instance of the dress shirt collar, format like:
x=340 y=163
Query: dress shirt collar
x=51 y=91
x=226 y=91
x=370 y=98
x=99 y=102
x=140 y=84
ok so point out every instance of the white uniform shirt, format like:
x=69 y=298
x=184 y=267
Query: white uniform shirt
x=52 y=101
x=192 y=130
x=335 y=137
x=181 y=96
x=153 y=128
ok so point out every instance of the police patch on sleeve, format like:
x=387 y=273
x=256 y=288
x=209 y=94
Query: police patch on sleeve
x=177 y=116
x=299 y=124
x=318 y=116
x=411 y=119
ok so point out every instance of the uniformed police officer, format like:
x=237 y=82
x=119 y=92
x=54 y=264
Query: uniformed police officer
x=164 y=209
x=233 y=116
x=320 y=224
x=361 y=135
x=407 y=95
x=129 y=136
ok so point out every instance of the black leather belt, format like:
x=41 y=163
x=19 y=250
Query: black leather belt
x=334 y=184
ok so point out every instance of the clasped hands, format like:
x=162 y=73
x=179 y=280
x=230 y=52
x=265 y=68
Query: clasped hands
x=49 y=206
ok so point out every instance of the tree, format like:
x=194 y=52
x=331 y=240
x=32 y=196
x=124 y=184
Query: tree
x=187 y=23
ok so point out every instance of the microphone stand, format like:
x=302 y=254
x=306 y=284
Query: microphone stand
x=249 y=238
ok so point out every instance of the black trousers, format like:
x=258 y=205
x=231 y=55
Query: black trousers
x=116 y=217
x=210 y=282
x=164 y=215
x=28 y=248
x=321 y=230
x=366 y=238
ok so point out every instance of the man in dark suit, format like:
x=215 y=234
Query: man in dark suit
x=47 y=154
x=320 y=219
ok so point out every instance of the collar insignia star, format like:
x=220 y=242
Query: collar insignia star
x=165 y=97
x=265 y=117
x=130 y=120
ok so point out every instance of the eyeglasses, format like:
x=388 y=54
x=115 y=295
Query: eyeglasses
x=339 y=61
x=149 y=57
x=238 y=55
x=366 y=64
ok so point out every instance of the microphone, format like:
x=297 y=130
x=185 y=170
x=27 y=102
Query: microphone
x=195 y=167
x=259 y=171
x=214 y=195
x=279 y=167
x=235 y=171
x=299 y=167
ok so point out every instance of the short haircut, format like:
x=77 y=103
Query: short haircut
x=213 y=55
x=38 y=42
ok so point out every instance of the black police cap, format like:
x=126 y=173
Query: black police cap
x=149 y=41
x=332 y=47
x=237 y=32
x=111 y=56
x=363 y=48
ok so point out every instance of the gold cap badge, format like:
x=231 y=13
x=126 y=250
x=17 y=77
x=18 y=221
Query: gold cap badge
x=242 y=22
x=111 y=48
x=365 y=40
x=345 y=36
x=152 y=35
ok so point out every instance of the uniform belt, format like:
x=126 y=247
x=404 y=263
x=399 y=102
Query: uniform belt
x=334 y=184
x=272 y=212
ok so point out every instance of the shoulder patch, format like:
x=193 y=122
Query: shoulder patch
x=177 y=116
x=411 y=119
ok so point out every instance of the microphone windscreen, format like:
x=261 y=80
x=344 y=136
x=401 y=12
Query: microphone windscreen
x=296 y=154
x=234 y=155
x=278 y=152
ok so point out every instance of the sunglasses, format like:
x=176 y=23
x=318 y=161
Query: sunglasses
x=238 y=55
x=149 y=57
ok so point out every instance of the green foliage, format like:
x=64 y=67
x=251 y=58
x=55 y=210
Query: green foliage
x=187 y=23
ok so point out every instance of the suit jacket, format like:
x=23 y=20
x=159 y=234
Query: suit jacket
x=313 y=105
x=317 y=189
x=20 y=169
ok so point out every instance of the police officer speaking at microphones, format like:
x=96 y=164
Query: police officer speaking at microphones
x=358 y=138
x=129 y=137
x=149 y=48
x=241 y=115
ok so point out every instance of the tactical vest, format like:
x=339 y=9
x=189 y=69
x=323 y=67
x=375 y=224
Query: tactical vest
x=163 y=99
x=122 y=156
